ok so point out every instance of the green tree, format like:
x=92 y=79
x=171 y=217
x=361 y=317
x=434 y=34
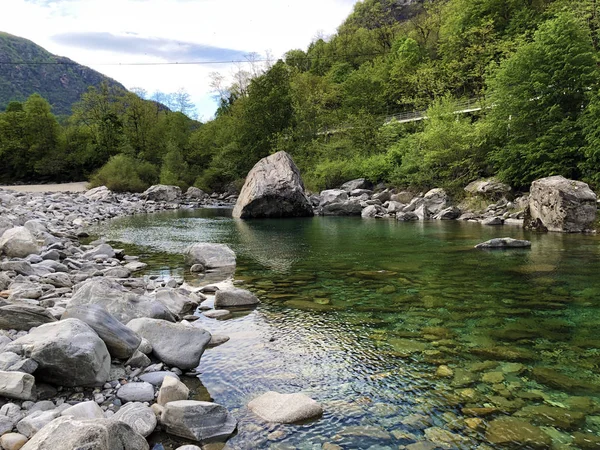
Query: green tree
x=449 y=152
x=174 y=169
x=13 y=147
x=43 y=137
x=538 y=95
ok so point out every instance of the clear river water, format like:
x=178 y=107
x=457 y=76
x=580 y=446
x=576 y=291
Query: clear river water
x=360 y=315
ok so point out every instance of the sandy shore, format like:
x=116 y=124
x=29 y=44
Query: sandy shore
x=64 y=187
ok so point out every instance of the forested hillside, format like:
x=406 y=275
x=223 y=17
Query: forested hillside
x=26 y=69
x=531 y=64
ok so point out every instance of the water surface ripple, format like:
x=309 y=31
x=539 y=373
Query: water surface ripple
x=359 y=314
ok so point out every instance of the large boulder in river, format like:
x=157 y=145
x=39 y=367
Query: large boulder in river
x=18 y=242
x=273 y=188
x=176 y=344
x=559 y=204
x=118 y=301
x=162 y=193
x=68 y=353
x=120 y=340
x=211 y=256
x=98 y=434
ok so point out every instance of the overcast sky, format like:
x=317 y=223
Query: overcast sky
x=97 y=32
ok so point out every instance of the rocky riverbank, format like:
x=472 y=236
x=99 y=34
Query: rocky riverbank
x=88 y=351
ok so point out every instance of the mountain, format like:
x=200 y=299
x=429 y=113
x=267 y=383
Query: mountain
x=59 y=80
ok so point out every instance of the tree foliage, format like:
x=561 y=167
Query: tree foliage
x=531 y=64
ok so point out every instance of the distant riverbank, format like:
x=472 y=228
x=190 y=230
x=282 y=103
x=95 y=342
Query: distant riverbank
x=62 y=187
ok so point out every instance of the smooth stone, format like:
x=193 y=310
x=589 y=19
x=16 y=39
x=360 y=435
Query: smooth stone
x=175 y=301
x=68 y=352
x=493 y=221
x=138 y=416
x=17 y=385
x=157 y=378
x=218 y=339
x=97 y=434
x=138 y=359
x=198 y=421
x=235 y=297
x=135 y=266
x=285 y=408
x=84 y=410
x=21 y=267
x=12 y=441
x=211 y=256
x=124 y=305
x=23 y=317
x=136 y=392
x=217 y=314
x=172 y=390
x=162 y=193
x=175 y=344
x=120 y=340
x=18 y=242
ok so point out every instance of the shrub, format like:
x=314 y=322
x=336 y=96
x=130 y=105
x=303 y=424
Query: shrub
x=125 y=174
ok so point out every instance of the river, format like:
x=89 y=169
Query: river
x=360 y=315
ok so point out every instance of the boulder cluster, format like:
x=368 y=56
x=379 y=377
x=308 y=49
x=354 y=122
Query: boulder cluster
x=90 y=353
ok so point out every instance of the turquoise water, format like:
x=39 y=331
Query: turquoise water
x=360 y=314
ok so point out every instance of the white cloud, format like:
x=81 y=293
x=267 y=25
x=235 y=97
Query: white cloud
x=256 y=26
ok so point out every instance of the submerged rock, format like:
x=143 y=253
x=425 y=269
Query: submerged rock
x=285 y=408
x=198 y=421
x=502 y=243
x=559 y=204
x=273 y=188
x=510 y=431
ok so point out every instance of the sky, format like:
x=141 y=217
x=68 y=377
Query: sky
x=102 y=34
